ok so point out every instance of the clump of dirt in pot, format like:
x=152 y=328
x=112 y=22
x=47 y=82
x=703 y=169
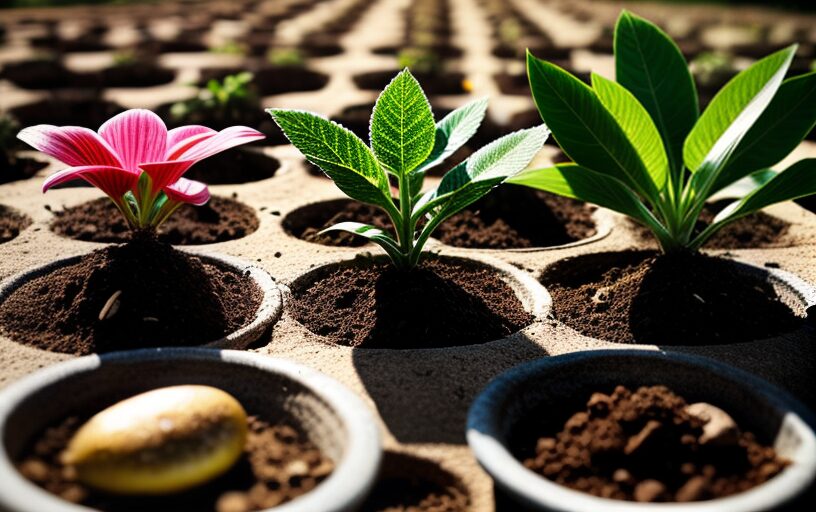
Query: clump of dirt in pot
x=678 y=299
x=308 y=221
x=278 y=465
x=136 y=295
x=219 y=220
x=11 y=223
x=517 y=217
x=752 y=231
x=651 y=446
x=440 y=303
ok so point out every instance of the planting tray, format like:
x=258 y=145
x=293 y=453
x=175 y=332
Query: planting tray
x=420 y=397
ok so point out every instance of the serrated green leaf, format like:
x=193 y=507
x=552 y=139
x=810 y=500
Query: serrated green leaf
x=636 y=124
x=485 y=169
x=402 y=125
x=454 y=130
x=339 y=153
x=650 y=65
x=375 y=234
x=730 y=102
x=787 y=120
x=584 y=129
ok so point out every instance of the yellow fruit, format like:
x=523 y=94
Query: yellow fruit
x=162 y=441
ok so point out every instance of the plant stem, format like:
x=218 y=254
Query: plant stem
x=406 y=236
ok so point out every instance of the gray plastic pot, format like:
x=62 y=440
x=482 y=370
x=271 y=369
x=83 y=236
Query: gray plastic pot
x=527 y=389
x=330 y=416
x=269 y=311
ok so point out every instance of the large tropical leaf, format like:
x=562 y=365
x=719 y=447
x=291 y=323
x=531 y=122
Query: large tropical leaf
x=636 y=124
x=339 y=153
x=788 y=119
x=402 y=125
x=649 y=64
x=731 y=102
x=584 y=129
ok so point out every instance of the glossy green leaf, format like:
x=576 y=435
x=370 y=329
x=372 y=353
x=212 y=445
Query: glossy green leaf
x=402 y=125
x=787 y=120
x=339 y=153
x=584 y=129
x=637 y=125
x=730 y=103
x=650 y=65
x=454 y=130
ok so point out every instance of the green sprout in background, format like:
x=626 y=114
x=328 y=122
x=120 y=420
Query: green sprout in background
x=639 y=146
x=286 y=57
x=224 y=100
x=423 y=61
x=405 y=143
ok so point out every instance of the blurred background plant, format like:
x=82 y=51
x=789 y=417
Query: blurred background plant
x=223 y=101
x=286 y=57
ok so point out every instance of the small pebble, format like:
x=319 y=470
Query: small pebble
x=649 y=490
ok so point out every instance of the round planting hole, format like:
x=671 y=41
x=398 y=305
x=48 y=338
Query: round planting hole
x=432 y=84
x=682 y=299
x=219 y=220
x=362 y=303
x=307 y=221
x=235 y=166
x=12 y=223
x=412 y=484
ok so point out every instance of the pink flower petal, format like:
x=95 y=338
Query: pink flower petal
x=72 y=145
x=113 y=181
x=137 y=135
x=188 y=191
x=177 y=150
x=223 y=140
x=165 y=173
x=182 y=133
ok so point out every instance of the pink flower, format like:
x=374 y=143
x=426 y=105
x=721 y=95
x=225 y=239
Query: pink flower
x=130 y=143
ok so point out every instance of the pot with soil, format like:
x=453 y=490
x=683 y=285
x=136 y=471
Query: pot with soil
x=310 y=444
x=140 y=294
x=461 y=301
x=627 y=430
x=675 y=299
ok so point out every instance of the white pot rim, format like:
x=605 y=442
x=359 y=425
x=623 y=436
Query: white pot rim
x=487 y=441
x=341 y=491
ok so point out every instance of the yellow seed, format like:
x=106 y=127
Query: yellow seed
x=162 y=441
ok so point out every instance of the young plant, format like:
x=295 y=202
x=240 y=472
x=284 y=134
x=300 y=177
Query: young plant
x=136 y=161
x=405 y=143
x=224 y=100
x=423 y=61
x=640 y=147
x=286 y=57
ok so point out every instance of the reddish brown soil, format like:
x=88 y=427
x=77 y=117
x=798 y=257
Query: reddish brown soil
x=167 y=298
x=11 y=223
x=516 y=217
x=438 y=304
x=277 y=466
x=509 y=217
x=639 y=297
x=219 y=220
x=644 y=446
x=756 y=230
x=307 y=222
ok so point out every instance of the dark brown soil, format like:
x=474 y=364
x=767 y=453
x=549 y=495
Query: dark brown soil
x=752 y=231
x=438 y=304
x=645 y=446
x=411 y=484
x=682 y=299
x=513 y=217
x=19 y=168
x=235 y=166
x=11 y=223
x=219 y=220
x=139 y=74
x=167 y=298
x=306 y=222
x=432 y=84
x=271 y=80
x=278 y=465
x=69 y=110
